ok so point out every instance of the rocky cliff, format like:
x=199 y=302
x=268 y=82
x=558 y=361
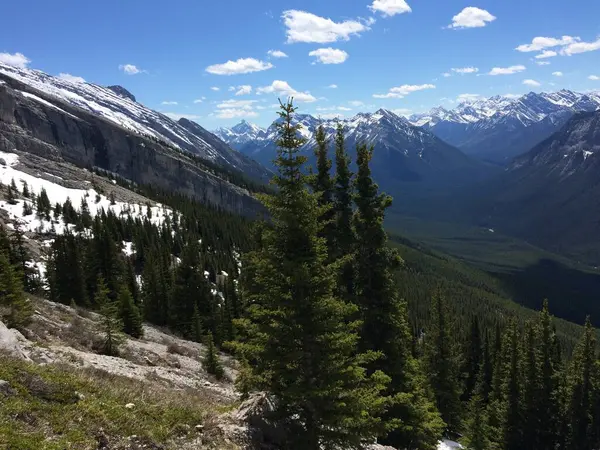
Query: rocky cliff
x=35 y=122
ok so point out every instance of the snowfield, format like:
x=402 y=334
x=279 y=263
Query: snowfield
x=95 y=201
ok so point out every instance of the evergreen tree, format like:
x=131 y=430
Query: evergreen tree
x=547 y=399
x=130 y=314
x=11 y=197
x=211 y=361
x=513 y=420
x=384 y=317
x=25 y=190
x=12 y=298
x=473 y=355
x=441 y=354
x=323 y=185
x=196 y=325
x=110 y=323
x=486 y=370
x=299 y=340
x=43 y=205
x=343 y=231
x=581 y=381
x=477 y=426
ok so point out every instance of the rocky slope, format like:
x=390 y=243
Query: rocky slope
x=550 y=194
x=58 y=124
x=500 y=128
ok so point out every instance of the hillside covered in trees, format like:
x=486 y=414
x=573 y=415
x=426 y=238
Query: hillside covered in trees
x=354 y=337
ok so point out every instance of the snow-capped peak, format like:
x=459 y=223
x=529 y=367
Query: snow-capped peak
x=529 y=108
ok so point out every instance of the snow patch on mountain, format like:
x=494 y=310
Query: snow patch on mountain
x=57 y=193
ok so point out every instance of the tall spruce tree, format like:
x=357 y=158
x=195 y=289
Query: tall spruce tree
x=299 y=337
x=17 y=307
x=322 y=184
x=580 y=390
x=473 y=356
x=513 y=418
x=547 y=400
x=129 y=314
x=343 y=232
x=385 y=318
x=110 y=323
x=441 y=354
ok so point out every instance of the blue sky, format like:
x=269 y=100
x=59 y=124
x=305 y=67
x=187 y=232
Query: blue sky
x=379 y=53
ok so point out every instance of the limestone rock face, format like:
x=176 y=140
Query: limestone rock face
x=59 y=131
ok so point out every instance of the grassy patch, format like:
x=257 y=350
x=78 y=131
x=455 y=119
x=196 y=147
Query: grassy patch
x=55 y=407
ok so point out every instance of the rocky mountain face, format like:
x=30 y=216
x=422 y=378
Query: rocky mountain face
x=403 y=152
x=549 y=195
x=241 y=134
x=91 y=126
x=499 y=128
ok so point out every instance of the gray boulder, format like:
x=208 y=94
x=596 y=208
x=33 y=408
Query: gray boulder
x=9 y=343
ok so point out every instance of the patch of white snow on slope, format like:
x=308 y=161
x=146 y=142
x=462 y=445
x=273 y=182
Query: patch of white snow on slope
x=60 y=194
x=47 y=103
x=446 y=444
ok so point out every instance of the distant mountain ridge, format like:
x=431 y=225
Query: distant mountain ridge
x=549 y=195
x=403 y=152
x=502 y=127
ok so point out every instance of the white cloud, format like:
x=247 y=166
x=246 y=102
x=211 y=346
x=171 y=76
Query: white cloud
x=233 y=113
x=231 y=88
x=229 y=109
x=541 y=43
x=276 y=54
x=329 y=55
x=463 y=70
x=506 y=70
x=356 y=103
x=245 y=104
x=284 y=89
x=402 y=91
x=546 y=54
x=242 y=65
x=468 y=97
x=177 y=116
x=244 y=89
x=303 y=26
x=15 y=59
x=581 y=47
x=130 y=69
x=542 y=63
x=446 y=74
x=594 y=77
x=390 y=7
x=557 y=74
x=343 y=108
x=332 y=86
x=168 y=103
x=402 y=111
x=530 y=82
x=71 y=78
x=471 y=17
x=198 y=100
x=331 y=116
x=214 y=88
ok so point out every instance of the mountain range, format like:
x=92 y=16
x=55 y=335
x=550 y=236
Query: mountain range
x=404 y=154
x=501 y=127
x=549 y=195
x=100 y=127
